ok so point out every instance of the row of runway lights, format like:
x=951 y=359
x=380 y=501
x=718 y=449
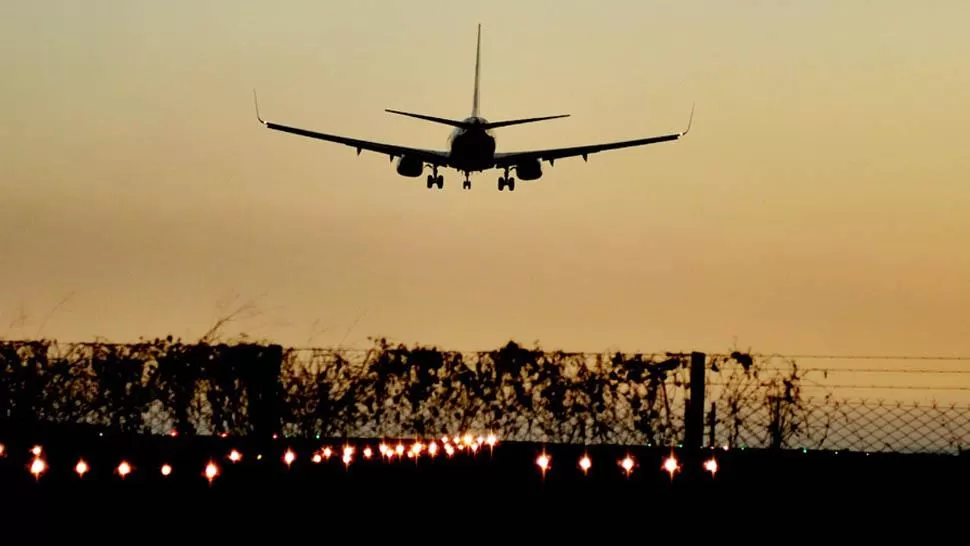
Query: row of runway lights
x=670 y=464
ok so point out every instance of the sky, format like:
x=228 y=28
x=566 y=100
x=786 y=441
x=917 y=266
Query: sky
x=818 y=204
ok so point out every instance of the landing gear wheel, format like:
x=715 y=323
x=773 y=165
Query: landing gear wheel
x=510 y=182
x=431 y=181
x=501 y=183
x=440 y=181
x=466 y=185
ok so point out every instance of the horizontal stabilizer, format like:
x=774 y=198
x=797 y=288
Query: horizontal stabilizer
x=497 y=124
x=452 y=122
x=465 y=125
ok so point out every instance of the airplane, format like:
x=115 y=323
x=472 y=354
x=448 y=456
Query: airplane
x=471 y=145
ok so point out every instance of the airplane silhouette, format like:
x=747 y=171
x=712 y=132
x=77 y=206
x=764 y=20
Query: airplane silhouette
x=472 y=145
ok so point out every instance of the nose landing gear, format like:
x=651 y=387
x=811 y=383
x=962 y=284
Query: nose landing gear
x=467 y=184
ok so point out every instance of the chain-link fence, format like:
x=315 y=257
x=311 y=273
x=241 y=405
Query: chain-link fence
x=396 y=391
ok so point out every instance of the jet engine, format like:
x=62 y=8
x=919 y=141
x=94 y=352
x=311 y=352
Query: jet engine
x=529 y=170
x=410 y=167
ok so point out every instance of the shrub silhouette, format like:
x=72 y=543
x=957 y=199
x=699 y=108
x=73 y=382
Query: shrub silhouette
x=389 y=390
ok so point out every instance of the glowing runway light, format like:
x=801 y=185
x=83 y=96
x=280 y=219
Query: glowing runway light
x=124 y=469
x=211 y=471
x=289 y=457
x=585 y=464
x=38 y=467
x=235 y=456
x=627 y=463
x=81 y=468
x=36 y=450
x=543 y=461
x=711 y=466
x=671 y=466
x=166 y=470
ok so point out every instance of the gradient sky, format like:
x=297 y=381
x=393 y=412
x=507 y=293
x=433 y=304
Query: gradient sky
x=819 y=204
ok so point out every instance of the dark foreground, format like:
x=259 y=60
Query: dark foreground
x=490 y=493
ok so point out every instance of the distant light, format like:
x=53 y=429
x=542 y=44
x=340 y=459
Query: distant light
x=211 y=471
x=543 y=461
x=627 y=464
x=166 y=469
x=81 y=468
x=711 y=466
x=671 y=465
x=38 y=467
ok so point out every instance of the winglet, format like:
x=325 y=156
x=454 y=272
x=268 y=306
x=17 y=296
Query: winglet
x=690 y=120
x=256 y=103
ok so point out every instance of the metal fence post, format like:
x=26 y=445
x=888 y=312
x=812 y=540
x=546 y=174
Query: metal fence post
x=694 y=418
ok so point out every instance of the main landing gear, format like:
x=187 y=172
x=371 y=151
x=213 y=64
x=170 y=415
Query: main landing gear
x=435 y=179
x=506 y=182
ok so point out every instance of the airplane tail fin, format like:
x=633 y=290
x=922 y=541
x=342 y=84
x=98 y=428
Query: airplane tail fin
x=475 y=103
x=478 y=64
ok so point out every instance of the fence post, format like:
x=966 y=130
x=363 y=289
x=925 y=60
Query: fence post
x=694 y=415
x=712 y=426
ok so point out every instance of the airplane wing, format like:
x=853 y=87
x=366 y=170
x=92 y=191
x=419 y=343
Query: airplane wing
x=509 y=159
x=434 y=157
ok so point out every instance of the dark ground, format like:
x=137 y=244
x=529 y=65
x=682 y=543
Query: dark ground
x=468 y=497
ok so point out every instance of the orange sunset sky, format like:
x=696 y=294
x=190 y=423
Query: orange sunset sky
x=818 y=205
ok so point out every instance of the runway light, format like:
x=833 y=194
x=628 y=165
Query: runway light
x=211 y=471
x=235 y=456
x=711 y=466
x=671 y=466
x=627 y=463
x=543 y=461
x=36 y=450
x=289 y=457
x=368 y=452
x=585 y=464
x=166 y=470
x=81 y=468
x=3 y=450
x=327 y=452
x=317 y=458
x=124 y=469
x=432 y=449
x=38 y=467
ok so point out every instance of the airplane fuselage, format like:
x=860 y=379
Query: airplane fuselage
x=472 y=148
